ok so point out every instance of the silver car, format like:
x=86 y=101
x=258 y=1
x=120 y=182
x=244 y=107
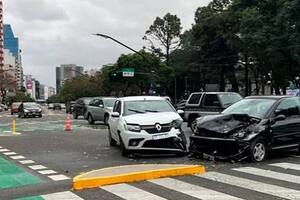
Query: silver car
x=99 y=109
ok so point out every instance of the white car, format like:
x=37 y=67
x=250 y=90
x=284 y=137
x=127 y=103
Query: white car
x=146 y=124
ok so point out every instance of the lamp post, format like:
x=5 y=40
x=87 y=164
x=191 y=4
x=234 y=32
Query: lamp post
x=139 y=53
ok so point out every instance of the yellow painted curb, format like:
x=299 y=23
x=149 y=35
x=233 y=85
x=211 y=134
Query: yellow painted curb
x=79 y=182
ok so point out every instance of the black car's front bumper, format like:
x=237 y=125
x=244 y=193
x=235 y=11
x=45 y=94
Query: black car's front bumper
x=220 y=148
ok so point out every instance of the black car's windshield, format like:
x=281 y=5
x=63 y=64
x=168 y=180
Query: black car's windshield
x=109 y=102
x=253 y=107
x=144 y=106
x=31 y=106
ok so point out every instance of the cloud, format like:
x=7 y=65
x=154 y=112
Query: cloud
x=36 y=10
x=53 y=32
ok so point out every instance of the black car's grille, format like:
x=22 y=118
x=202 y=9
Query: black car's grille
x=207 y=133
x=162 y=144
x=152 y=129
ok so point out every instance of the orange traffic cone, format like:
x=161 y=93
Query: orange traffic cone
x=68 y=126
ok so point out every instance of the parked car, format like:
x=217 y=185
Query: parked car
x=146 y=124
x=70 y=107
x=63 y=106
x=250 y=128
x=4 y=107
x=80 y=107
x=50 y=106
x=56 y=106
x=207 y=103
x=28 y=109
x=99 y=109
x=14 y=107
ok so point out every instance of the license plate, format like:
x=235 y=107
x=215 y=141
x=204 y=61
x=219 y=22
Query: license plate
x=159 y=137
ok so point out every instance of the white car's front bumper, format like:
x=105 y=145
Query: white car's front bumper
x=173 y=140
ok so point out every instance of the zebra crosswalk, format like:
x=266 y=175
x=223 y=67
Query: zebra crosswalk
x=259 y=182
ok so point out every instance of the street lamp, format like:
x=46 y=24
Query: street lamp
x=139 y=53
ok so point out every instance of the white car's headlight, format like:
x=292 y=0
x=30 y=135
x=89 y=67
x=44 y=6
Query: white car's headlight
x=176 y=124
x=133 y=127
x=25 y=110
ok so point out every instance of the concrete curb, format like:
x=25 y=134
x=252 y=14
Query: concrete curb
x=88 y=180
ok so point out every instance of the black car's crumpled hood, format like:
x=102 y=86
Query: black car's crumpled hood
x=224 y=124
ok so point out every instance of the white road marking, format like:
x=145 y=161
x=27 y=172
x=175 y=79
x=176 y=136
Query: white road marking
x=10 y=153
x=253 y=185
x=46 y=172
x=4 y=150
x=287 y=166
x=17 y=157
x=192 y=190
x=61 y=195
x=129 y=192
x=270 y=174
x=0 y=147
x=25 y=162
x=37 y=167
x=59 y=177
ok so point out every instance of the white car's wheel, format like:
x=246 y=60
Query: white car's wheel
x=123 y=148
x=112 y=141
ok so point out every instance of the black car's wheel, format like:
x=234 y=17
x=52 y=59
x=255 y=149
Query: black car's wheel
x=40 y=115
x=106 y=117
x=123 y=148
x=112 y=141
x=258 y=150
x=194 y=125
x=75 y=115
x=90 y=119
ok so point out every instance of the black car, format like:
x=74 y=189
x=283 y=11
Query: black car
x=56 y=106
x=70 y=106
x=29 y=109
x=250 y=128
x=80 y=107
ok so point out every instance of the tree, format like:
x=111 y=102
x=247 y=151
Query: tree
x=19 y=97
x=7 y=82
x=81 y=86
x=148 y=70
x=166 y=31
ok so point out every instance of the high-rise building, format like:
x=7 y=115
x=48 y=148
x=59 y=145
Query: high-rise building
x=66 y=72
x=12 y=44
x=1 y=36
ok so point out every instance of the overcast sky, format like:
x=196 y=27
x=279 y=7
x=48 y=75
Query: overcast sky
x=54 y=32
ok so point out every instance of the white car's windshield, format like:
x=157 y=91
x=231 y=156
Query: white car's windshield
x=253 y=107
x=144 y=106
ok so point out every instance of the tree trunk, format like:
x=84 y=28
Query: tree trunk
x=232 y=79
x=222 y=80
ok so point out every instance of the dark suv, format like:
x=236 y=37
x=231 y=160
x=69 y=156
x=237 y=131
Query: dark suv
x=207 y=103
x=80 y=107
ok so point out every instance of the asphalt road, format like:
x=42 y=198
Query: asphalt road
x=42 y=149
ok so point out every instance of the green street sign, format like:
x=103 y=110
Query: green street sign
x=127 y=72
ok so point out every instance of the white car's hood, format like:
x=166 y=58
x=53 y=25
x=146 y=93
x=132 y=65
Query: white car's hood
x=151 y=118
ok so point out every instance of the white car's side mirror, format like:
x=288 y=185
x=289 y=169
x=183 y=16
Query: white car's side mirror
x=115 y=114
x=180 y=112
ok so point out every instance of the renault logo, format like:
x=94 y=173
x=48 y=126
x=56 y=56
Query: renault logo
x=158 y=127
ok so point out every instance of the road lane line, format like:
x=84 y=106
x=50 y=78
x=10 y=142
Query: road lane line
x=4 y=150
x=61 y=195
x=37 y=167
x=192 y=190
x=253 y=185
x=0 y=147
x=17 y=157
x=10 y=153
x=287 y=166
x=46 y=172
x=26 y=162
x=129 y=192
x=59 y=177
x=270 y=174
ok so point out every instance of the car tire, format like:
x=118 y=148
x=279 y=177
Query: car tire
x=106 y=119
x=123 y=148
x=11 y=113
x=112 y=141
x=90 y=119
x=40 y=115
x=194 y=125
x=75 y=115
x=258 y=150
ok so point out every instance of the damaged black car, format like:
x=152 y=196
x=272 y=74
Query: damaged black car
x=250 y=128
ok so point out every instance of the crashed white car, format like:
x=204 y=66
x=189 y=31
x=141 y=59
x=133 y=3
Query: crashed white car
x=146 y=125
